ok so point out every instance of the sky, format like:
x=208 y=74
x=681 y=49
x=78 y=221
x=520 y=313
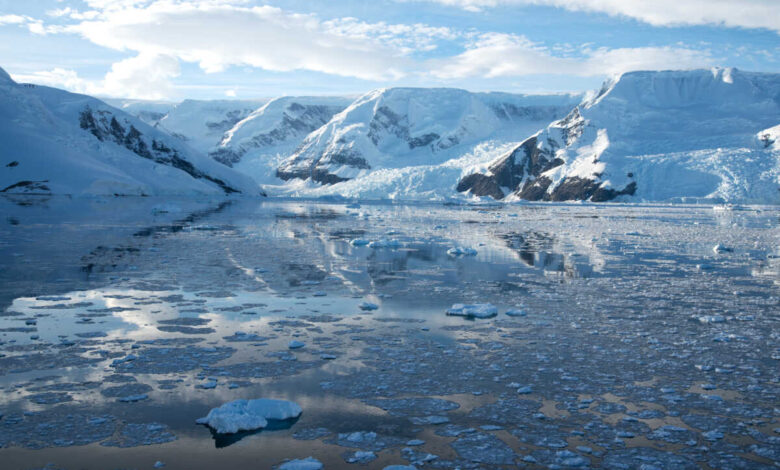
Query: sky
x=245 y=49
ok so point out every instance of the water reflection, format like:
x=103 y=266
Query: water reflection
x=181 y=306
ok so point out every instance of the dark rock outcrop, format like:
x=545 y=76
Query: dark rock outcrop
x=105 y=127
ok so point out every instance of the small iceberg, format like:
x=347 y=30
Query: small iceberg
x=516 y=312
x=460 y=251
x=248 y=415
x=473 y=310
x=309 y=463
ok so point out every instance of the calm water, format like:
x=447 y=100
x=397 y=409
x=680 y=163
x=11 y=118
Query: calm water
x=123 y=321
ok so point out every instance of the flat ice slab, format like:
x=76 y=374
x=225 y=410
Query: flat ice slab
x=473 y=310
x=309 y=463
x=248 y=415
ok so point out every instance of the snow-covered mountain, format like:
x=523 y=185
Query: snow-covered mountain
x=149 y=112
x=256 y=144
x=55 y=142
x=202 y=124
x=409 y=127
x=656 y=136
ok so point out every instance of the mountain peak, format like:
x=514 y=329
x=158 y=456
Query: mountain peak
x=682 y=88
x=4 y=77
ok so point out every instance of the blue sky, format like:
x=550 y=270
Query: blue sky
x=175 y=49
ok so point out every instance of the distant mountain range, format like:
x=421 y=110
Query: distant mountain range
x=677 y=136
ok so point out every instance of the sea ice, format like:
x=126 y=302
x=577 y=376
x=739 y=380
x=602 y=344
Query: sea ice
x=460 y=251
x=516 y=312
x=473 y=310
x=247 y=415
x=309 y=463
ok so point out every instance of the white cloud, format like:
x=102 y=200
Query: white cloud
x=502 y=55
x=142 y=77
x=742 y=13
x=13 y=19
x=218 y=34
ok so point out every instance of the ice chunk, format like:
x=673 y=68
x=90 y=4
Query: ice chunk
x=248 y=415
x=711 y=319
x=473 y=310
x=309 y=463
x=400 y=467
x=368 y=306
x=360 y=456
x=516 y=312
x=460 y=251
x=359 y=242
x=295 y=344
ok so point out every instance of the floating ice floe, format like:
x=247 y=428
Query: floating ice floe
x=359 y=242
x=383 y=243
x=711 y=319
x=368 y=306
x=516 y=312
x=473 y=310
x=248 y=415
x=309 y=463
x=360 y=456
x=722 y=249
x=460 y=251
x=295 y=344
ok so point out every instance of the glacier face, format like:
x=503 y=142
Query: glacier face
x=409 y=127
x=655 y=136
x=55 y=142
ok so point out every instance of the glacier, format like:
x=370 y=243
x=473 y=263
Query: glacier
x=679 y=136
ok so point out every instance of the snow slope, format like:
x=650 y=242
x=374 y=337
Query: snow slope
x=202 y=124
x=409 y=127
x=149 y=112
x=256 y=144
x=55 y=142
x=652 y=136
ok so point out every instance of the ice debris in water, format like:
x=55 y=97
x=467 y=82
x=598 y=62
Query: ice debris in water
x=722 y=249
x=368 y=306
x=360 y=456
x=400 y=467
x=516 y=312
x=473 y=310
x=711 y=319
x=309 y=463
x=460 y=251
x=383 y=243
x=248 y=415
